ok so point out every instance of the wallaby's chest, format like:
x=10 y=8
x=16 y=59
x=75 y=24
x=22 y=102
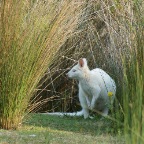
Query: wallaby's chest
x=87 y=87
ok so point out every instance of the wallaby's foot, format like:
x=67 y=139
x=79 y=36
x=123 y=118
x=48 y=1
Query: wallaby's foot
x=86 y=113
x=105 y=112
x=102 y=118
x=86 y=116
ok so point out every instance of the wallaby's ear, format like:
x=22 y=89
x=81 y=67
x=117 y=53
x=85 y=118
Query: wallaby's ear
x=82 y=62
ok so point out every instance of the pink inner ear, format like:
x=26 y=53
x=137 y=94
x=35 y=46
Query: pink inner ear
x=81 y=62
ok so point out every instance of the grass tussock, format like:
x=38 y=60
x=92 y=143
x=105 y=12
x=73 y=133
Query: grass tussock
x=31 y=33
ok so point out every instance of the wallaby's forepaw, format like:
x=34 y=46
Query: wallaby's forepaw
x=92 y=106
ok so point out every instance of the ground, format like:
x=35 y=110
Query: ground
x=44 y=129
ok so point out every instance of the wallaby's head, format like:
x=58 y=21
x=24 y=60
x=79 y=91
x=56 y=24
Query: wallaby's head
x=78 y=71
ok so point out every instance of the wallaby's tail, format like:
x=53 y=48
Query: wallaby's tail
x=79 y=113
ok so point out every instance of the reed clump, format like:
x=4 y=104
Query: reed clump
x=31 y=34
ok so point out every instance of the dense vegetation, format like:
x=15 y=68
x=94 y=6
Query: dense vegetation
x=31 y=34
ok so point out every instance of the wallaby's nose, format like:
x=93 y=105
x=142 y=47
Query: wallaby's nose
x=67 y=74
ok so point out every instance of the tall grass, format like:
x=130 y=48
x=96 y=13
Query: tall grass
x=31 y=34
x=133 y=101
x=133 y=87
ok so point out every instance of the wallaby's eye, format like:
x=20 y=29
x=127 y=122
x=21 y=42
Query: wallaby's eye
x=74 y=70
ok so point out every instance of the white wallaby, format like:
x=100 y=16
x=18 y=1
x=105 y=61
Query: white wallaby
x=96 y=89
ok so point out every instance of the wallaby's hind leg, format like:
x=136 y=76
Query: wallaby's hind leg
x=105 y=111
x=86 y=113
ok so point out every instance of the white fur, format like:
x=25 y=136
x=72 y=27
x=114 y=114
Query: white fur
x=94 y=86
x=80 y=113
